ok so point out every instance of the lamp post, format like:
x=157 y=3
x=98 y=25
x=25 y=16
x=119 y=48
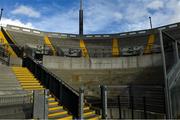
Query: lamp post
x=81 y=18
x=150 y=22
x=1 y=14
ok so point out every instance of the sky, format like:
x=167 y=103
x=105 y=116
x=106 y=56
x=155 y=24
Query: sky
x=100 y=16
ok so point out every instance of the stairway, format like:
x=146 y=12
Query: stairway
x=55 y=111
x=90 y=114
x=29 y=82
x=27 y=79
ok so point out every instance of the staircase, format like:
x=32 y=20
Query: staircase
x=27 y=79
x=29 y=82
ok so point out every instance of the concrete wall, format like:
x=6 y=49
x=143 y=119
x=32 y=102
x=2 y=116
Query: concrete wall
x=55 y=62
x=15 y=61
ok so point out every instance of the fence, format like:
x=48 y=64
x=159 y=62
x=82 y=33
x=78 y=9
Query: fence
x=128 y=101
x=170 y=55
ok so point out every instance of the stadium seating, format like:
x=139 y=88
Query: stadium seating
x=99 y=47
x=22 y=39
x=137 y=43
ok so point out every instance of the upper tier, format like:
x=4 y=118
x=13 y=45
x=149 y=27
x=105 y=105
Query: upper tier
x=95 y=43
x=174 y=28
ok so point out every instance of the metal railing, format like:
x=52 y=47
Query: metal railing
x=67 y=96
x=142 y=98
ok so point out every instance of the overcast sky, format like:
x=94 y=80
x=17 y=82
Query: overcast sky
x=100 y=16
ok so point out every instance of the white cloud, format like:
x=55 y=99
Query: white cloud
x=99 y=14
x=61 y=22
x=155 y=4
x=16 y=22
x=25 y=10
x=116 y=16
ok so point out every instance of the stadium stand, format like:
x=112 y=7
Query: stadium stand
x=64 y=47
x=22 y=39
x=64 y=84
x=99 y=47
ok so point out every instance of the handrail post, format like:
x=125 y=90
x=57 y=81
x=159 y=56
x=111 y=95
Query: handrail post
x=46 y=104
x=176 y=51
x=132 y=106
x=81 y=102
x=8 y=62
x=144 y=104
x=104 y=101
x=119 y=104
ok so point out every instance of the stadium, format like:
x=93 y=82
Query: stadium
x=54 y=75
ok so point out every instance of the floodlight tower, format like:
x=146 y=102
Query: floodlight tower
x=81 y=18
x=1 y=14
x=150 y=21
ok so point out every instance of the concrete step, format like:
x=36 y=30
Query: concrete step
x=92 y=117
x=30 y=84
x=8 y=81
x=55 y=111
x=10 y=85
x=14 y=88
x=88 y=113
x=28 y=81
x=62 y=117
x=51 y=99
x=55 y=108
x=25 y=78
x=31 y=87
x=20 y=115
x=86 y=108
x=7 y=78
x=57 y=114
x=54 y=103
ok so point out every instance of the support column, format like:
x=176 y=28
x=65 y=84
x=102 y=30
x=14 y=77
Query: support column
x=81 y=103
x=104 y=101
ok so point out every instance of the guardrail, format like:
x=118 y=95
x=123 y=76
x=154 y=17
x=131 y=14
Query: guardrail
x=67 y=96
